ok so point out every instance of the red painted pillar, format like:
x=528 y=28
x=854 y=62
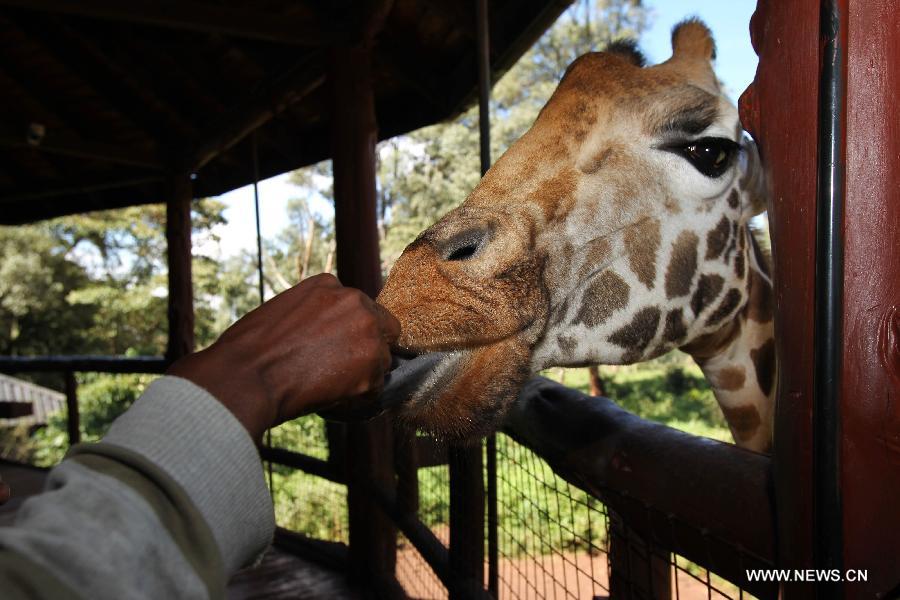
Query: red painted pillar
x=780 y=110
x=870 y=383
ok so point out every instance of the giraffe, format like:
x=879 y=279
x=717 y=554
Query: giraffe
x=611 y=232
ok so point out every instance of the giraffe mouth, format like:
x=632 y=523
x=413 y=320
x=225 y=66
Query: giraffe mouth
x=412 y=381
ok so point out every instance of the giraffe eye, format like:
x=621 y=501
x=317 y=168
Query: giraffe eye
x=711 y=156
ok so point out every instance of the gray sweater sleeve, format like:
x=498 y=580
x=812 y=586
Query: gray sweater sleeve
x=167 y=505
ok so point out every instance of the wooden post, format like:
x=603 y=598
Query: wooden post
x=638 y=569
x=870 y=380
x=181 y=293
x=373 y=536
x=466 y=517
x=780 y=110
x=73 y=419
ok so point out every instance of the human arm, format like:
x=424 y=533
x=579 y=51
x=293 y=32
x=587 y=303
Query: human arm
x=173 y=499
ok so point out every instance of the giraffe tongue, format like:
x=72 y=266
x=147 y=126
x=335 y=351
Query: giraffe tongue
x=406 y=376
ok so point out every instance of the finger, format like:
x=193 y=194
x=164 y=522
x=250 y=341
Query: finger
x=326 y=279
x=390 y=326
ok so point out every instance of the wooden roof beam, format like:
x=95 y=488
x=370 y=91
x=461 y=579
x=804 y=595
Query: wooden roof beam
x=269 y=99
x=305 y=30
x=59 y=143
x=87 y=186
x=110 y=82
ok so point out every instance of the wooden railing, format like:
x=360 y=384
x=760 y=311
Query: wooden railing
x=707 y=501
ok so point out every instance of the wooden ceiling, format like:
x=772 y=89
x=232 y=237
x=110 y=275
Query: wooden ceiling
x=102 y=101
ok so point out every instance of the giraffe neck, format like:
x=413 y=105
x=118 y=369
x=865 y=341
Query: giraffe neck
x=739 y=360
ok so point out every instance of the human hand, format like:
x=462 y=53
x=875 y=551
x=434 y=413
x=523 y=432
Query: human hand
x=305 y=350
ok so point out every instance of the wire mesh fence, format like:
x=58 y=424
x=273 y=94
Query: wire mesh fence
x=305 y=503
x=555 y=540
x=552 y=536
x=414 y=574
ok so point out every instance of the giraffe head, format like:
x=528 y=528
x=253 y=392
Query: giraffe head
x=611 y=232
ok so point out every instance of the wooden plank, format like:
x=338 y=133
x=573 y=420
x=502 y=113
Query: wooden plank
x=60 y=143
x=178 y=255
x=296 y=460
x=269 y=99
x=83 y=363
x=305 y=29
x=780 y=110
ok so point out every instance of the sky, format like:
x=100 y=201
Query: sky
x=735 y=66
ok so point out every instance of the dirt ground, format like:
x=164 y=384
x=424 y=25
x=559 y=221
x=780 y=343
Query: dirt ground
x=573 y=576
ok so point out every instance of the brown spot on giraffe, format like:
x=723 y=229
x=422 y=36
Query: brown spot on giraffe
x=636 y=335
x=708 y=288
x=731 y=378
x=594 y=162
x=717 y=239
x=682 y=265
x=743 y=421
x=726 y=307
x=706 y=346
x=641 y=244
x=675 y=329
x=606 y=294
x=734 y=200
x=560 y=312
x=567 y=344
x=556 y=195
x=764 y=360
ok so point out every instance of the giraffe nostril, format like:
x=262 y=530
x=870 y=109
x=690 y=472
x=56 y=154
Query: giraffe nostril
x=466 y=252
x=465 y=245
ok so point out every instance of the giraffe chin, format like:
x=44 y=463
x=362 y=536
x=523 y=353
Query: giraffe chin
x=461 y=395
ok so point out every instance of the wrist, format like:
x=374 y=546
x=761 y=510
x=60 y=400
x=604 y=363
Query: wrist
x=237 y=387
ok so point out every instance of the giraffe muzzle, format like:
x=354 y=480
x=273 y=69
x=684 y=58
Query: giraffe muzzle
x=409 y=375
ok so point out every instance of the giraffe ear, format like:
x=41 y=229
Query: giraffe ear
x=693 y=51
x=692 y=39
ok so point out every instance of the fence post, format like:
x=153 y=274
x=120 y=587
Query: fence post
x=373 y=536
x=73 y=419
x=466 y=517
x=638 y=569
x=178 y=256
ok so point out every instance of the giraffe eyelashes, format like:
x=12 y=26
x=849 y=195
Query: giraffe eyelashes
x=711 y=156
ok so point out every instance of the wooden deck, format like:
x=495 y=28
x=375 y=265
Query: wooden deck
x=280 y=575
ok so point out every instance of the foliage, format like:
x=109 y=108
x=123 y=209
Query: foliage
x=101 y=398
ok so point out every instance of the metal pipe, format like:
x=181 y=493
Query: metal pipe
x=259 y=270
x=828 y=542
x=484 y=140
